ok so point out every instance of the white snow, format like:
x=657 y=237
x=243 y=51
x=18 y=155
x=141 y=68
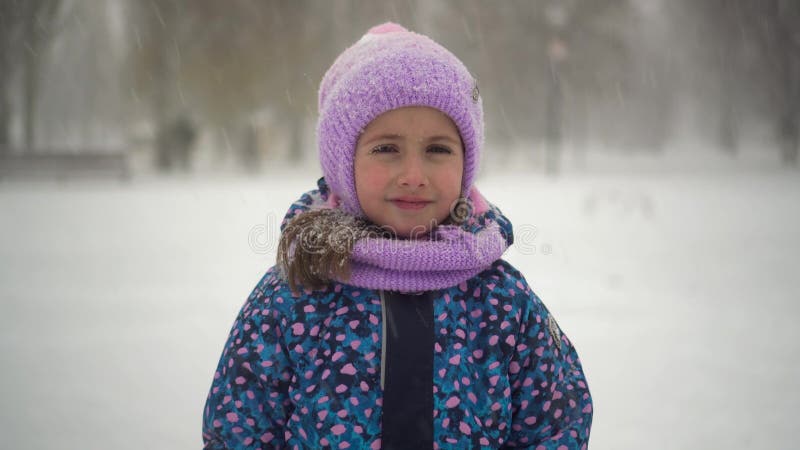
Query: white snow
x=679 y=289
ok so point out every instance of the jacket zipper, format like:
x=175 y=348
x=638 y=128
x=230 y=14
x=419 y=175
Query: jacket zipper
x=383 y=339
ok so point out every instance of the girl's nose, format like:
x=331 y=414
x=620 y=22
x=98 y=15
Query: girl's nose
x=412 y=172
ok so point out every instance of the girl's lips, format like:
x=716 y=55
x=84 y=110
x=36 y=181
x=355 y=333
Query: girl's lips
x=402 y=204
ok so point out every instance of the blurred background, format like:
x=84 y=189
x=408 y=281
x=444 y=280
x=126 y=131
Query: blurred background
x=647 y=150
x=204 y=86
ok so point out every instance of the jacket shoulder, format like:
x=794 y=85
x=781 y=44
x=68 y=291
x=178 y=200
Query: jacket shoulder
x=504 y=281
x=271 y=293
x=501 y=275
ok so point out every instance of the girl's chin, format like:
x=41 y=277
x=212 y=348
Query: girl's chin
x=413 y=231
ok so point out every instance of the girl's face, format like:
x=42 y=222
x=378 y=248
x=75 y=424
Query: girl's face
x=408 y=168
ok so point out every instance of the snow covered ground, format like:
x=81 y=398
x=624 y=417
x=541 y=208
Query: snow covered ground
x=679 y=289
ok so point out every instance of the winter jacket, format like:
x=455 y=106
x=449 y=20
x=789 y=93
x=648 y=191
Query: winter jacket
x=478 y=365
x=304 y=371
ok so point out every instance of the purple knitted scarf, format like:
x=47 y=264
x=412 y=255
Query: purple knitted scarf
x=447 y=256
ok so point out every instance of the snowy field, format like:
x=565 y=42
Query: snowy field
x=680 y=290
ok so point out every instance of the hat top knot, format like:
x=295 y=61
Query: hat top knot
x=388 y=27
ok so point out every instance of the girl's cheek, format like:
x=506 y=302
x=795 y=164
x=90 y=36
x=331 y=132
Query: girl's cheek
x=368 y=172
x=378 y=174
x=454 y=176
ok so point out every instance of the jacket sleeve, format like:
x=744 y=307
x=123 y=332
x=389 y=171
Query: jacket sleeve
x=551 y=403
x=248 y=405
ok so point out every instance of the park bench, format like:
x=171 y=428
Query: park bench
x=63 y=166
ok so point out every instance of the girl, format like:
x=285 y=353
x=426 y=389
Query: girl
x=390 y=320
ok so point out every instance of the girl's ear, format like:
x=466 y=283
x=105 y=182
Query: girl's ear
x=333 y=200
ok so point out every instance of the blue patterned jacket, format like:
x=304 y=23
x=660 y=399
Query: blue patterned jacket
x=304 y=371
x=310 y=370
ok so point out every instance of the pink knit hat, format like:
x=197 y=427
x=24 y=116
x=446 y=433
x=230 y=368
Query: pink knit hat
x=389 y=68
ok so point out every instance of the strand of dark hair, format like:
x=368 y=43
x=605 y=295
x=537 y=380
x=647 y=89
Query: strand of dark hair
x=315 y=247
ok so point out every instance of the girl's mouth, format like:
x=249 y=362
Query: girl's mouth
x=413 y=205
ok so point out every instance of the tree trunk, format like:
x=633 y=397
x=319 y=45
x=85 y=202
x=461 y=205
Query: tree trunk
x=164 y=74
x=296 y=127
x=5 y=113
x=728 y=124
x=37 y=31
x=161 y=75
x=30 y=80
x=553 y=118
x=789 y=136
x=728 y=128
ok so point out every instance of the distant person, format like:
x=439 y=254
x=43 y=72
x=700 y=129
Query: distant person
x=390 y=320
x=175 y=144
x=249 y=153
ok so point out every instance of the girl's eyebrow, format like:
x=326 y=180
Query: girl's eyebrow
x=385 y=136
x=394 y=136
x=443 y=138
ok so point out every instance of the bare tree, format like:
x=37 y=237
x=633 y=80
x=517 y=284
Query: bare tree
x=7 y=25
x=752 y=47
x=583 y=48
x=774 y=24
x=223 y=61
x=26 y=27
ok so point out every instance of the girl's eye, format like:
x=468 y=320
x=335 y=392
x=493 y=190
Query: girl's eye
x=439 y=149
x=383 y=149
